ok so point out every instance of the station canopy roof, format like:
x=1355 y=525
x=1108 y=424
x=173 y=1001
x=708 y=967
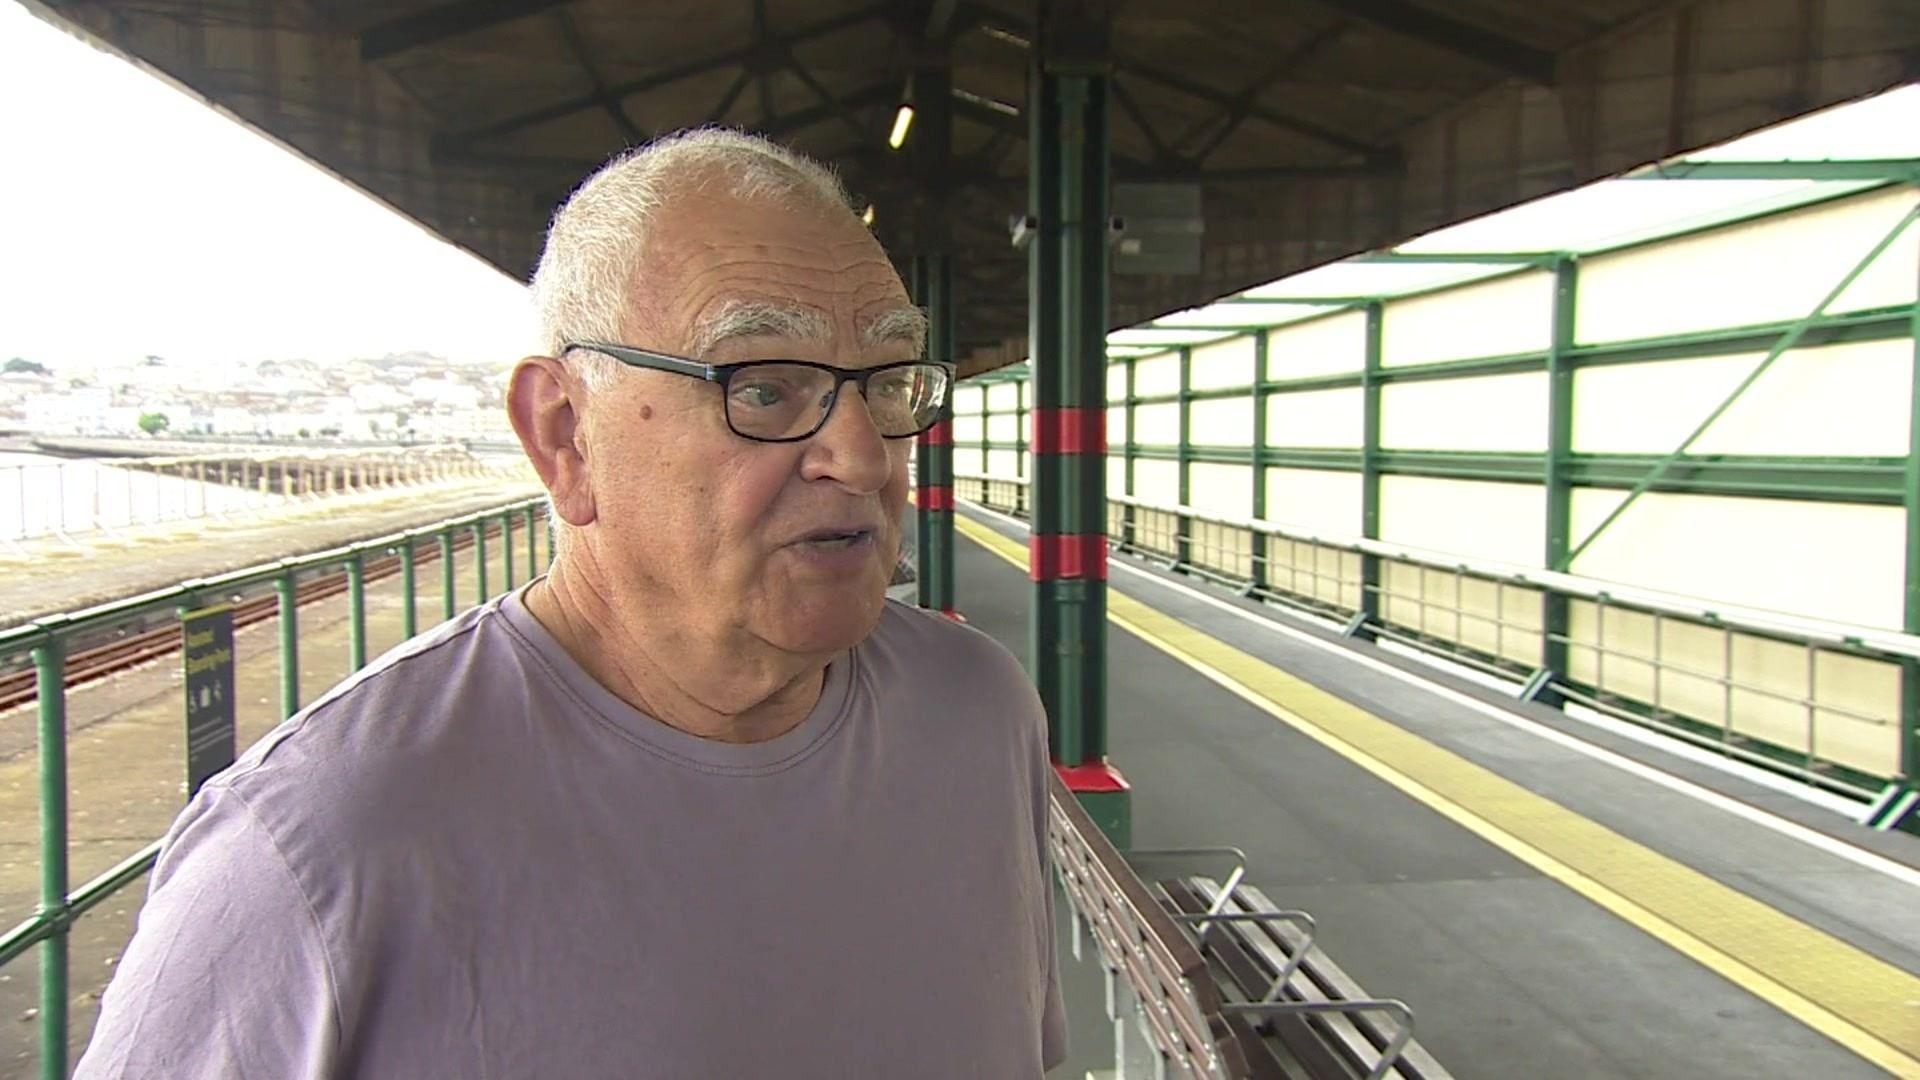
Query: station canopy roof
x=1839 y=151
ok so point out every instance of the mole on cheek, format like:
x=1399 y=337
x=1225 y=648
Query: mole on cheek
x=646 y=412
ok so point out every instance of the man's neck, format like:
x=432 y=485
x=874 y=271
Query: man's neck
x=724 y=691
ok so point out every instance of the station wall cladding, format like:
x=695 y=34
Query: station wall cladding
x=1790 y=501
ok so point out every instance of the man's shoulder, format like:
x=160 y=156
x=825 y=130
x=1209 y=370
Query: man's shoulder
x=387 y=723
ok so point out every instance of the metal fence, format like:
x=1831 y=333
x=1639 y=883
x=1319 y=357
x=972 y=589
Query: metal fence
x=1820 y=702
x=70 y=500
x=66 y=648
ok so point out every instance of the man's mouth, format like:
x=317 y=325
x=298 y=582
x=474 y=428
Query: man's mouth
x=836 y=539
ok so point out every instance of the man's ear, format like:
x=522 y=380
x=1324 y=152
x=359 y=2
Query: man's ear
x=543 y=402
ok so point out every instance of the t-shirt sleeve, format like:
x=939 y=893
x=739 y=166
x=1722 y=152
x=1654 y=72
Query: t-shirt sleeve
x=227 y=974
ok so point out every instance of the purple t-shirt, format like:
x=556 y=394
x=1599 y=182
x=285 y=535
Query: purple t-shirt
x=471 y=860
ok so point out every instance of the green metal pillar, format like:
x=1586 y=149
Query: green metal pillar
x=356 y=611
x=933 y=454
x=1068 y=264
x=533 y=547
x=1259 y=578
x=1370 y=583
x=49 y=662
x=506 y=551
x=1183 y=460
x=409 y=618
x=930 y=146
x=480 y=557
x=449 y=604
x=289 y=644
x=1910 y=669
x=1130 y=520
x=1559 y=485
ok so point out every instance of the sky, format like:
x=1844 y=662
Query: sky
x=134 y=220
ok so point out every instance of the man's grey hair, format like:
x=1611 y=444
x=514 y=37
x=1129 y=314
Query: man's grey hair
x=598 y=236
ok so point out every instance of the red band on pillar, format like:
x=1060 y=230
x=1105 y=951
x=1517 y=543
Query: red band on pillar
x=1054 y=558
x=934 y=498
x=1069 y=431
x=1094 y=776
x=940 y=434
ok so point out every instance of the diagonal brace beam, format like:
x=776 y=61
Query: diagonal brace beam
x=1185 y=85
x=1422 y=23
x=1787 y=341
x=729 y=58
x=440 y=23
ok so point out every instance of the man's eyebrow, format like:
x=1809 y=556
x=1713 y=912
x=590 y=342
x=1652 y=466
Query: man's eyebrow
x=898 y=325
x=759 y=318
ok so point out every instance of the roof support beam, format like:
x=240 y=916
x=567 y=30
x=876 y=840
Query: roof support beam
x=1243 y=102
x=440 y=23
x=1161 y=152
x=571 y=33
x=1185 y=85
x=729 y=58
x=1423 y=24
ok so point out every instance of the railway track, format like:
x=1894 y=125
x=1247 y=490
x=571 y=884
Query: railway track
x=98 y=662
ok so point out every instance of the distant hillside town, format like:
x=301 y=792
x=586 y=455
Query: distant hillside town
x=402 y=397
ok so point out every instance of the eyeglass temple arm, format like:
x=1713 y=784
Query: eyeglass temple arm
x=648 y=359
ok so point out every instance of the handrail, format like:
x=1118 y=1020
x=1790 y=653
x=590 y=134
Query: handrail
x=1891 y=643
x=1144 y=944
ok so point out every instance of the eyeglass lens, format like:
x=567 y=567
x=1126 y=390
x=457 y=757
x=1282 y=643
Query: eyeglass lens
x=789 y=401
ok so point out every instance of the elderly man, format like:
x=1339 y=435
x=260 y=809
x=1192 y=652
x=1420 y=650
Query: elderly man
x=698 y=803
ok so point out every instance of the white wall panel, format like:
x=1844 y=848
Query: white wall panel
x=1003 y=427
x=1499 y=412
x=1825 y=560
x=1116 y=475
x=1117 y=425
x=1316 y=418
x=1003 y=396
x=1474 y=518
x=1156 y=376
x=1220 y=489
x=1157 y=425
x=968 y=460
x=1117 y=382
x=1769 y=270
x=1838 y=400
x=1222 y=422
x=1003 y=463
x=1495 y=318
x=1328 y=346
x=1224 y=364
x=1316 y=501
x=1157 y=481
x=967 y=429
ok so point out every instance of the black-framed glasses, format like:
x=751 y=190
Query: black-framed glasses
x=790 y=400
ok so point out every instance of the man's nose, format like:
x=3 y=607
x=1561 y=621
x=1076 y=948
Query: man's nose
x=848 y=448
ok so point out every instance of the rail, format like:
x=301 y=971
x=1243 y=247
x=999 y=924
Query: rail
x=1822 y=702
x=1222 y=984
x=65 y=649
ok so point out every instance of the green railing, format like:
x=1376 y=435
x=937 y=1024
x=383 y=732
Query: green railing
x=1774 y=691
x=49 y=641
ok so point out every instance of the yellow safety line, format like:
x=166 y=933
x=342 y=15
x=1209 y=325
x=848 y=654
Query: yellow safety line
x=1852 y=997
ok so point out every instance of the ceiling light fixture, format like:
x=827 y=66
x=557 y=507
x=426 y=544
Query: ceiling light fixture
x=902 y=120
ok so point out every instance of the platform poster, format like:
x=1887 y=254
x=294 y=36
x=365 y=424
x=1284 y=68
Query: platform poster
x=207 y=635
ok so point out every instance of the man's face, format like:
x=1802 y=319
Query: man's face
x=695 y=527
